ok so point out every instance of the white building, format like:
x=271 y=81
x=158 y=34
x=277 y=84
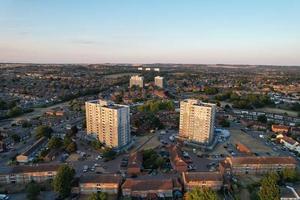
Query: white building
x=108 y=122
x=156 y=69
x=140 y=69
x=159 y=81
x=137 y=81
x=197 y=121
x=148 y=69
x=289 y=142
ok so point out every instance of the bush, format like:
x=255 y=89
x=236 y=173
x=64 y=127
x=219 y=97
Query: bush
x=55 y=143
x=43 y=131
x=63 y=180
x=16 y=138
x=33 y=190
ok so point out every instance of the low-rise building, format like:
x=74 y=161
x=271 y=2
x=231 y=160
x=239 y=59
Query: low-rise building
x=280 y=128
x=108 y=183
x=150 y=187
x=213 y=180
x=289 y=142
x=256 y=164
x=30 y=153
x=176 y=159
x=26 y=174
x=134 y=164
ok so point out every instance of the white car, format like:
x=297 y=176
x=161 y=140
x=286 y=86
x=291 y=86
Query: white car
x=4 y=197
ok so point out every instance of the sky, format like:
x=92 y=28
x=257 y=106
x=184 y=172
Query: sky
x=150 y=31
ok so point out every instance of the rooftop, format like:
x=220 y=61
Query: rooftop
x=35 y=146
x=30 y=169
x=262 y=160
x=142 y=184
x=202 y=176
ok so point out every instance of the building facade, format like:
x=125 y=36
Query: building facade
x=108 y=183
x=151 y=188
x=256 y=164
x=26 y=174
x=159 y=81
x=197 y=121
x=136 y=81
x=191 y=180
x=108 y=122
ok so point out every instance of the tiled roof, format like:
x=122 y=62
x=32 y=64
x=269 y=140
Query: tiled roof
x=202 y=176
x=36 y=168
x=101 y=178
x=262 y=160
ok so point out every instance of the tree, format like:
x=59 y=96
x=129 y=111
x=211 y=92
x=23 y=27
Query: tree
x=72 y=147
x=210 y=90
x=98 y=196
x=225 y=123
x=289 y=175
x=63 y=180
x=109 y=154
x=26 y=124
x=54 y=143
x=15 y=111
x=262 y=119
x=227 y=107
x=202 y=194
x=269 y=188
x=16 y=138
x=43 y=131
x=33 y=191
x=73 y=130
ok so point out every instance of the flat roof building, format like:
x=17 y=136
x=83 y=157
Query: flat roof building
x=108 y=122
x=197 y=121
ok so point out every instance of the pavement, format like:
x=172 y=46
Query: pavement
x=49 y=195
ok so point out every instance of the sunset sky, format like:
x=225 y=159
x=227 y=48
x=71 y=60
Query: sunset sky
x=150 y=31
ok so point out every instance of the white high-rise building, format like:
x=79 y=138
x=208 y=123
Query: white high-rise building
x=136 y=80
x=197 y=121
x=159 y=81
x=108 y=122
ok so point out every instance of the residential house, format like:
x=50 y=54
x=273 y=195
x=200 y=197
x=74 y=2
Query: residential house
x=30 y=153
x=280 y=128
x=176 y=159
x=150 y=188
x=26 y=174
x=108 y=183
x=256 y=164
x=191 y=180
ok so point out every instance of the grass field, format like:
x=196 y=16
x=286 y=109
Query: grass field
x=278 y=111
